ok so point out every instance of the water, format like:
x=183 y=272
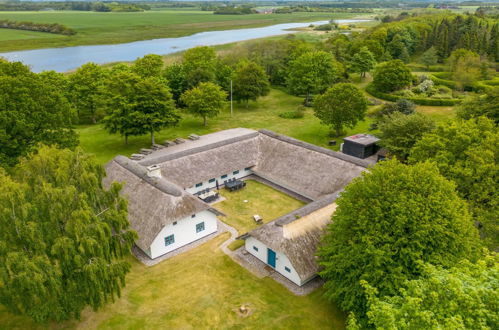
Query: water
x=70 y=58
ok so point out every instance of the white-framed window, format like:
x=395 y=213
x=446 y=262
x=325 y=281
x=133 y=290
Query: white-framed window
x=255 y=248
x=199 y=227
x=169 y=240
x=199 y=184
x=287 y=269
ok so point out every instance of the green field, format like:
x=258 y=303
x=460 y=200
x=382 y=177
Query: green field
x=108 y=28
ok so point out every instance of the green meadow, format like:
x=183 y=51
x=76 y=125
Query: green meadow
x=108 y=28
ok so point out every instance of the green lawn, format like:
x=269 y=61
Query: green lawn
x=261 y=114
x=260 y=199
x=200 y=289
x=109 y=28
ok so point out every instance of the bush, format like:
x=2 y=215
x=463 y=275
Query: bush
x=295 y=114
x=418 y=100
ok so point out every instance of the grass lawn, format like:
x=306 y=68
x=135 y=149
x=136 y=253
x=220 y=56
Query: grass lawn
x=200 y=289
x=108 y=28
x=261 y=199
x=261 y=114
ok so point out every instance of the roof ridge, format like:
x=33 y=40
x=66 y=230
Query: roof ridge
x=315 y=148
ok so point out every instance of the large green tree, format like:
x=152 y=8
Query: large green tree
x=399 y=132
x=249 y=82
x=387 y=222
x=200 y=64
x=205 y=101
x=467 y=152
x=391 y=76
x=63 y=237
x=33 y=109
x=486 y=104
x=148 y=66
x=462 y=297
x=363 y=61
x=86 y=91
x=341 y=105
x=429 y=57
x=312 y=73
x=137 y=105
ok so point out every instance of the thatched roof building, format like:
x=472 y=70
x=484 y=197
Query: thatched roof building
x=318 y=174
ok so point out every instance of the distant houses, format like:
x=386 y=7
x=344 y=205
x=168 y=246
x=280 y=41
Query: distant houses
x=167 y=214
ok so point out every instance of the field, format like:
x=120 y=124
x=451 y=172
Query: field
x=200 y=289
x=108 y=28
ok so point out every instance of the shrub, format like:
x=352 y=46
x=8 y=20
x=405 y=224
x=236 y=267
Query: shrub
x=295 y=114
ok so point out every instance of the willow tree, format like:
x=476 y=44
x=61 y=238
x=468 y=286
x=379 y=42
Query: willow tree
x=63 y=238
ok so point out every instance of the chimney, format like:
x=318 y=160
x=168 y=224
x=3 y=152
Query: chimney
x=154 y=171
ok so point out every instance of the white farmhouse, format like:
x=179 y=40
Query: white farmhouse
x=167 y=215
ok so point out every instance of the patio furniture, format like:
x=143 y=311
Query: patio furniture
x=146 y=151
x=258 y=219
x=193 y=137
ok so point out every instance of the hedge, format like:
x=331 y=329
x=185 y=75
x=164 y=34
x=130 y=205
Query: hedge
x=439 y=81
x=417 y=100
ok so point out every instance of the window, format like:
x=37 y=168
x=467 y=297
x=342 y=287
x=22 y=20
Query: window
x=169 y=240
x=235 y=172
x=193 y=216
x=247 y=168
x=255 y=248
x=224 y=176
x=175 y=223
x=199 y=227
x=212 y=180
x=287 y=269
x=199 y=184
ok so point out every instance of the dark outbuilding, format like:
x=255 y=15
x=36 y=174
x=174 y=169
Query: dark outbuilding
x=360 y=145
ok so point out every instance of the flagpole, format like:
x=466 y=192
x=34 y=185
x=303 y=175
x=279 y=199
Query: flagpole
x=231 y=109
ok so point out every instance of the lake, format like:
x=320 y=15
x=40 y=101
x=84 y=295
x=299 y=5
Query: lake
x=70 y=58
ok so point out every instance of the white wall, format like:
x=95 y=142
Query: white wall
x=184 y=231
x=206 y=184
x=281 y=259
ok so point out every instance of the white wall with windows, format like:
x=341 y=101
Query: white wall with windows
x=182 y=232
x=212 y=182
x=282 y=263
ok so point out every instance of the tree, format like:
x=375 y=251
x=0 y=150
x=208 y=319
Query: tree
x=175 y=75
x=462 y=297
x=205 y=101
x=399 y=132
x=387 y=222
x=199 y=65
x=391 y=76
x=86 y=90
x=313 y=73
x=148 y=66
x=32 y=111
x=250 y=82
x=481 y=105
x=363 y=61
x=466 y=67
x=467 y=153
x=429 y=58
x=341 y=105
x=63 y=238
x=137 y=106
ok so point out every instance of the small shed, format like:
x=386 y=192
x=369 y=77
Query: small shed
x=360 y=145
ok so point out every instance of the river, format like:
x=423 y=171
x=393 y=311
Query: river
x=70 y=58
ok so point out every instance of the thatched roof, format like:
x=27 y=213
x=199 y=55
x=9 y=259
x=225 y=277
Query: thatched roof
x=299 y=242
x=152 y=202
x=314 y=172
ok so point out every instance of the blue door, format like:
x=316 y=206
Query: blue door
x=271 y=257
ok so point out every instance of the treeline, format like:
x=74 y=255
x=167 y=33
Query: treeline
x=445 y=33
x=233 y=10
x=39 y=27
x=295 y=9
x=76 y=5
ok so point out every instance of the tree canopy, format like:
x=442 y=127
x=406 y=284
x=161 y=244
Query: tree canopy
x=148 y=66
x=467 y=152
x=199 y=65
x=205 y=101
x=32 y=111
x=481 y=105
x=313 y=73
x=63 y=236
x=250 y=82
x=363 y=61
x=341 y=105
x=462 y=297
x=387 y=222
x=399 y=132
x=391 y=76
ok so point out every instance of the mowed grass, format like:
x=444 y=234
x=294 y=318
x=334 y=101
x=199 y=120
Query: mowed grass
x=108 y=28
x=261 y=199
x=261 y=114
x=200 y=289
